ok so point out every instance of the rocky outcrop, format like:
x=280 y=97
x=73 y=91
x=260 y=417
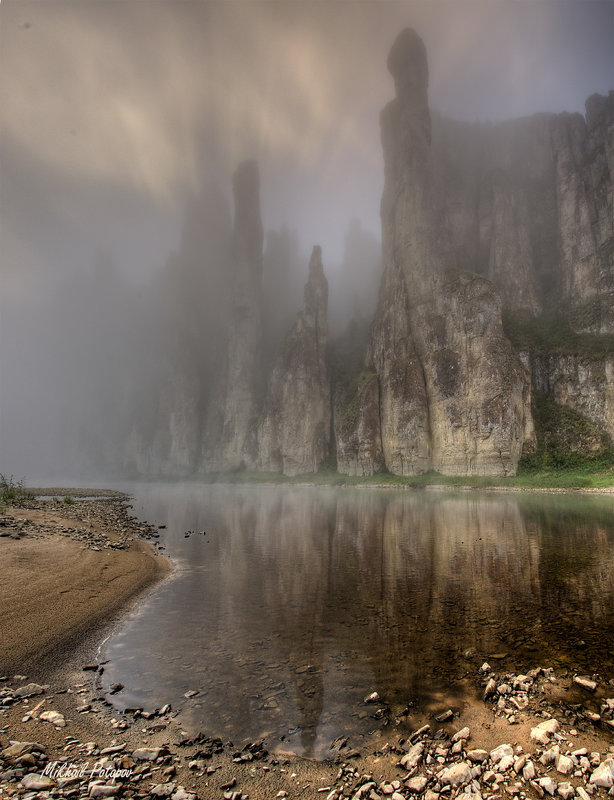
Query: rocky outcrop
x=358 y=435
x=469 y=396
x=529 y=204
x=583 y=384
x=294 y=434
x=231 y=441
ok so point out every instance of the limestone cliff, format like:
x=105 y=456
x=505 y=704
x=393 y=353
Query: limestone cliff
x=230 y=438
x=453 y=395
x=294 y=434
x=583 y=384
x=529 y=204
x=584 y=157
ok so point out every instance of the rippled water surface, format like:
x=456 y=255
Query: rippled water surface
x=297 y=602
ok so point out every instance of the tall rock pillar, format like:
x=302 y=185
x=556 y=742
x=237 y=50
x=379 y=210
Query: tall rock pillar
x=470 y=401
x=294 y=434
x=231 y=440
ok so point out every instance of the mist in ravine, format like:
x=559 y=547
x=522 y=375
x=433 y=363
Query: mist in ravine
x=121 y=126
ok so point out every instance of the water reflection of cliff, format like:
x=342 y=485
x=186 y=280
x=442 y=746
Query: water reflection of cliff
x=299 y=602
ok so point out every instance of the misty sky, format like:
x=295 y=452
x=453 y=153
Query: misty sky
x=111 y=110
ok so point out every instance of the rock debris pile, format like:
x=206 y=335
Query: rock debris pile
x=155 y=759
x=98 y=524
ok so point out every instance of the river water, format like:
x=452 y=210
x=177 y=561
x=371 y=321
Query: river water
x=289 y=605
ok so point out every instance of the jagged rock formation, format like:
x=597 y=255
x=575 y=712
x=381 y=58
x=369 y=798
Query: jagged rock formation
x=531 y=200
x=529 y=204
x=230 y=441
x=485 y=228
x=453 y=395
x=358 y=435
x=294 y=435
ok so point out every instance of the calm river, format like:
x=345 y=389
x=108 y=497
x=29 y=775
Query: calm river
x=289 y=605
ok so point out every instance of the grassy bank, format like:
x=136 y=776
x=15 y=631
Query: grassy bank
x=531 y=475
x=12 y=491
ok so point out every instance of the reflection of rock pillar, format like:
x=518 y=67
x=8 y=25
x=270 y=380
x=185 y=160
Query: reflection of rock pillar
x=310 y=701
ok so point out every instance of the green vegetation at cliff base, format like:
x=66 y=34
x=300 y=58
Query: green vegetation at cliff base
x=545 y=476
x=572 y=453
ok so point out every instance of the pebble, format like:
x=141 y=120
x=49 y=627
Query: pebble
x=456 y=775
x=564 y=765
x=604 y=774
x=182 y=794
x=544 y=731
x=37 y=783
x=30 y=690
x=500 y=752
x=162 y=789
x=96 y=789
x=585 y=683
x=417 y=784
x=477 y=756
x=146 y=754
x=54 y=717
x=463 y=734
x=413 y=757
x=548 y=785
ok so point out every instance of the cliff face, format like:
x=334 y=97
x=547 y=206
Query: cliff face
x=294 y=434
x=531 y=200
x=583 y=384
x=453 y=395
x=529 y=204
x=231 y=440
x=584 y=157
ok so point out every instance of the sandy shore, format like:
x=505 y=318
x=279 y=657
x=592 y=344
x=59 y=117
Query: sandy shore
x=61 y=581
x=69 y=570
